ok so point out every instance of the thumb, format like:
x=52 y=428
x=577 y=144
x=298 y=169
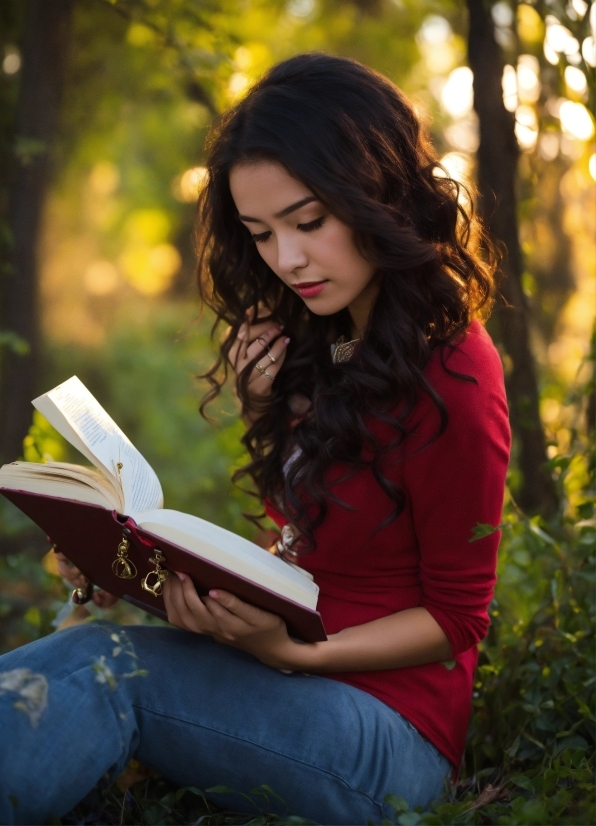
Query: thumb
x=104 y=600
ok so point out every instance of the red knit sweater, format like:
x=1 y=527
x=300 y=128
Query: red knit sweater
x=424 y=557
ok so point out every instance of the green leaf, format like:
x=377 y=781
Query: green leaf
x=541 y=534
x=523 y=782
x=396 y=802
x=449 y=664
x=14 y=342
x=481 y=530
x=409 y=819
x=514 y=747
x=191 y=790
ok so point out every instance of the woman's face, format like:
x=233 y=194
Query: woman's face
x=306 y=246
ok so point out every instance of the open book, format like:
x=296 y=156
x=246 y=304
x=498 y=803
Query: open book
x=115 y=512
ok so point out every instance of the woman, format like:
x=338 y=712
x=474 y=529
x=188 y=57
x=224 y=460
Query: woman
x=352 y=280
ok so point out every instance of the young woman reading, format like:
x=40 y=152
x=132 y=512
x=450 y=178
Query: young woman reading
x=352 y=279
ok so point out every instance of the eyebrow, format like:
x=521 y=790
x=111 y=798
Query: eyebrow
x=284 y=212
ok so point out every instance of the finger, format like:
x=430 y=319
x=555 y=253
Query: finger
x=247 y=335
x=104 y=600
x=237 y=352
x=218 y=600
x=65 y=564
x=72 y=575
x=171 y=605
x=253 y=331
x=189 y=607
x=259 y=383
x=230 y=626
x=261 y=342
x=192 y=600
x=273 y=355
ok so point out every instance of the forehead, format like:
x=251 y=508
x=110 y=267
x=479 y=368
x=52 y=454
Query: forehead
x=263 y=188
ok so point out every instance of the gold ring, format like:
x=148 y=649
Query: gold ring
x=271 y=358
x=263 y=372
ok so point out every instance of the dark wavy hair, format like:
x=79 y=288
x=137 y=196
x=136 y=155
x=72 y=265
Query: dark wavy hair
x=354 y=140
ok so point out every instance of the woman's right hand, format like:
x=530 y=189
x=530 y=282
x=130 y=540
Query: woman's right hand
x=72 y=575
x=262 y=339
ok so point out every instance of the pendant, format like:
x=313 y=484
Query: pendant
x=122 y=566
x=344 y=350
x=159 y=575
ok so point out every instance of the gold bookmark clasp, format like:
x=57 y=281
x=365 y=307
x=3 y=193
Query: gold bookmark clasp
x=122 y=566
x=159 y=575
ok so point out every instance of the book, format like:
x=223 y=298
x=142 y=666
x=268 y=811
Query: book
x=109 y=520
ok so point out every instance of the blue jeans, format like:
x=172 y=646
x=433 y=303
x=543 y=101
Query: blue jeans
x=78 y=705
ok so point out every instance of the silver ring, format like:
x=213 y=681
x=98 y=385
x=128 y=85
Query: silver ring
x=271 y=358
x=263 y=372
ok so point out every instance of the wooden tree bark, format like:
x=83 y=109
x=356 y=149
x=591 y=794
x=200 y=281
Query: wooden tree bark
x=45 y=42
x=497 y=174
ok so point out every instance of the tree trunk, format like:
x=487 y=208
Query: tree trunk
x=46 y=34
x=497 y=173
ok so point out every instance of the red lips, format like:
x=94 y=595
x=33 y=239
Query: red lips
x=309 y=289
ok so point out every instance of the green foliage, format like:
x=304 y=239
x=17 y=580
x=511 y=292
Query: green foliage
x=155 y=801
x=43 y=443
x=15 y=343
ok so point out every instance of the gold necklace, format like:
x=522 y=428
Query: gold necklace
x=344 y=350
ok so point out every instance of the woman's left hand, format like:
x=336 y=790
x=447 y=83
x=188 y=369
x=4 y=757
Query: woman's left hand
x=228 y=620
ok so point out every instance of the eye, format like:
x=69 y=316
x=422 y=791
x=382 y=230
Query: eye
x=262 y=236
x=312 y=225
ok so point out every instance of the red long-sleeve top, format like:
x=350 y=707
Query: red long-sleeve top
x=424 y=557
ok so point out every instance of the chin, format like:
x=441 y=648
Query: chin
x=323 y=307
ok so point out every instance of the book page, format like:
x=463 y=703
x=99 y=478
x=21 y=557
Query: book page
x=63 y=481
x=233 y=552
x=77 y=415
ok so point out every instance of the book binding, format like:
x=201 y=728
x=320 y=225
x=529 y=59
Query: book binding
x=90 y=536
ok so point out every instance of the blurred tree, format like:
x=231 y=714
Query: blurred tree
x=44 y=48
x=497 y=180
x=146 y=78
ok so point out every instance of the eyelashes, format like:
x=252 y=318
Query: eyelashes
x=263 y=236
x=310 y=227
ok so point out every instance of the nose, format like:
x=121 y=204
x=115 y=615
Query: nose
x=291 y=254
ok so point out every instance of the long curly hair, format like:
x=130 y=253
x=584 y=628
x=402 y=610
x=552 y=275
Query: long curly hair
x=355 y=141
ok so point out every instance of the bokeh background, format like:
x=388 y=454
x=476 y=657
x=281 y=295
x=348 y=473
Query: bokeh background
x=105 y=106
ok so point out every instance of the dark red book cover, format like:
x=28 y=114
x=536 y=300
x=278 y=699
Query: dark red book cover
x=89 y=536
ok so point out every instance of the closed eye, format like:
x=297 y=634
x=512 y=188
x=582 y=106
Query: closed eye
x=262 y=236
x=312 y=225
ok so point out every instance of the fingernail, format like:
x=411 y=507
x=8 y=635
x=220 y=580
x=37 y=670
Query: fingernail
x=214 y=594
x=281 y=326
x=180 y=576
x=286 y=340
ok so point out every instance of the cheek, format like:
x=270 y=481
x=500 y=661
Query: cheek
x=344 y=257
x=335 y=242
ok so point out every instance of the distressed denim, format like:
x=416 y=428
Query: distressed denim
x=76 y=706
